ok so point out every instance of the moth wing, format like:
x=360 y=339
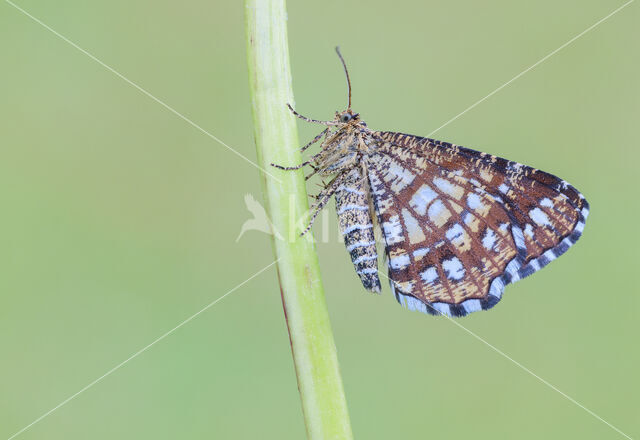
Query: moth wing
x=459 y=225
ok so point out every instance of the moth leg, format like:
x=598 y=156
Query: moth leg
x=297 y=167
x=315 y=139
x=322 y=199
x=319 y=195
x=315 y=170
x=313 y=173
x=304 y=118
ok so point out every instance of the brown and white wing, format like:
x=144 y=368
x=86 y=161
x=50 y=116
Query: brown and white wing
x=460 y=225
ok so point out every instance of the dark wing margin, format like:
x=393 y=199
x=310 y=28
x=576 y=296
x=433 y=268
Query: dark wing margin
x=531 y=218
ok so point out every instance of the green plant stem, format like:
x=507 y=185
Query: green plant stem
x=312 y=345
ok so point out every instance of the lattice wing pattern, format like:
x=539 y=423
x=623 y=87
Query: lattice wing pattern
x=459 y=225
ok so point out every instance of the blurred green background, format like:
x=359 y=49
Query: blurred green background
x=119 y=220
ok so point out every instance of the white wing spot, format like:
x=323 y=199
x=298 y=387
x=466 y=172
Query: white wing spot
x=419 y=253
x=539 y=217
x=400 y=261
x=546 y=202
x=438 y=214
x=528 y=230
x=414 y=230
x=422 y=198
x=429 y=275
x=393 y=230
x=489 y=239
x=401 y=177
x=449 y=188
x=454 y=268
x=473 y=201
x=518 y=237
x=454 y=232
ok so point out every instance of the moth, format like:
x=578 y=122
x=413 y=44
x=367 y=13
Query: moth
x=458 y=225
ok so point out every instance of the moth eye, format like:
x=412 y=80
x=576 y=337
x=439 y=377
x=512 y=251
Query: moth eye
x=346 y=117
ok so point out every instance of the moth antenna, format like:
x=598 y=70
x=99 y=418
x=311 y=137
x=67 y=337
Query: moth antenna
x=346 y=72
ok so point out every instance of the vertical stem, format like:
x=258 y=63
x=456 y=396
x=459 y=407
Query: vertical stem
x=314 y=352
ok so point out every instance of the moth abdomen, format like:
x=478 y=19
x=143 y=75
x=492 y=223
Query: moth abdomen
x=356 y=226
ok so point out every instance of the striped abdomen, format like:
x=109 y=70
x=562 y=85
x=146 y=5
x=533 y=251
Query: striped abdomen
x=354 y=220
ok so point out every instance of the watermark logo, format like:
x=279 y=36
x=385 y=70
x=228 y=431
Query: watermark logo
x=260 y=221
x=297 y=222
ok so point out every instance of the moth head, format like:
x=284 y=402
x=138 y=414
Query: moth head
x=347 y=116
